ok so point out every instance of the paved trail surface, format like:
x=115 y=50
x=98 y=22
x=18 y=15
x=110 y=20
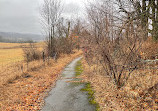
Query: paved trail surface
x=66 y=96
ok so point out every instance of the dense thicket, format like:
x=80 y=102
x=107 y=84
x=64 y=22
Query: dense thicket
x=116 y=31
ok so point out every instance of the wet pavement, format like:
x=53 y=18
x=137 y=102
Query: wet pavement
x=66 y=96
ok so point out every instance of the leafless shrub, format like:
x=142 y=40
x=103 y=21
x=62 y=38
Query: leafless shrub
x=31 y=53
x=113 y=41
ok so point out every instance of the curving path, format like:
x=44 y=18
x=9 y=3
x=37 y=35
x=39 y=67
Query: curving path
x=66 y=96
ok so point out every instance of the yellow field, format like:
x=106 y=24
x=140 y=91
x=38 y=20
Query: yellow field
x=12 y=52
x=11 y=60
x=8 y=56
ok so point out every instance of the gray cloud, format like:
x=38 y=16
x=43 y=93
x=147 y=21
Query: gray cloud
x=24 y=16
x=72 y=8
x=19 y=16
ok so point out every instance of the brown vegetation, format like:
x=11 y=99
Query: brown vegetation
x=28 y=90
x=120 y=60
x=149 y=49
x=140 y=92
x=119 y=57
x=12 y=64
x=32 y=53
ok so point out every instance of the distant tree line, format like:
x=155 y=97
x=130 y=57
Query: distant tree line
x=2 y=39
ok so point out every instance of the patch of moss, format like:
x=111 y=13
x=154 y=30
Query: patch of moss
x=87 y=88
x=78 y=69
x=91 y=98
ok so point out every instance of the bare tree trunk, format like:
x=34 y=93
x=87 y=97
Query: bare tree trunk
x=50 y=13
x=153 y=18
x=156 y=22
x=144 y=18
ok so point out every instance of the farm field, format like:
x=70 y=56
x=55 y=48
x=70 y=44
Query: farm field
x=12 y=63
x=9 y=56
x=12 y=52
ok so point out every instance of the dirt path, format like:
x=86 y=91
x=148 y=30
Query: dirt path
x=66 y=96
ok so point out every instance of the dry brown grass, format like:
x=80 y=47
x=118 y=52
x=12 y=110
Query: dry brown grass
x=27 y=92
x=18 y=45
x=16 y=70
x=9 y=56
x=149 y=49
x=134 y=96
x=12 y=52
x=11 y=61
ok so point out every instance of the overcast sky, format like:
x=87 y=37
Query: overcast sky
x=23 y=15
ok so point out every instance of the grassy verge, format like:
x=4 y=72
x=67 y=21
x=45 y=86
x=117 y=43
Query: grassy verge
x=91 y=97
x=78 y=69
x=87 y=88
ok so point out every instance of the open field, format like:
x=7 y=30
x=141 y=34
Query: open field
x=9 y=56
x=12 y=52
x=11 y=45
x=17 y=45
x=12 y=63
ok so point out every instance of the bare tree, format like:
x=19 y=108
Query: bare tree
x=113 y=41
x=51 y=12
